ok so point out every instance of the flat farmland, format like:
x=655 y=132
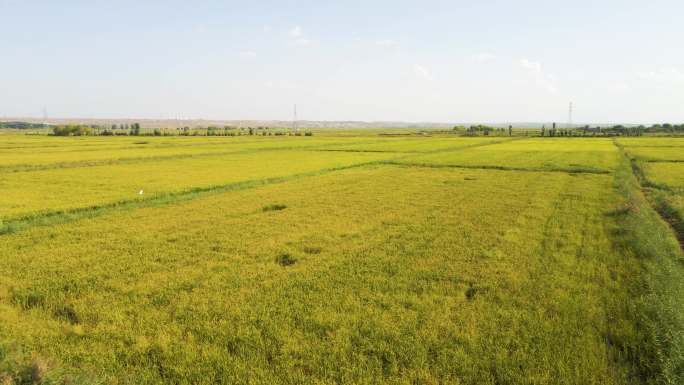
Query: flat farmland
x=583 y=155
x=414 y=145
x=89 y=152
x=669 y=175
x=27 y=193
x=654 y=149
x=119 y=174
x=336 y=260
x=660 y=165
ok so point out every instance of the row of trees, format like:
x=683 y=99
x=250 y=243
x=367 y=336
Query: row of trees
x=663 y=128
x=473 y=130
x=554 y=131
x=619 y=130
x=480 y=129
x=73 y=130
x=21 y=125
x=592 y=131
x=86 y=130
x=135 y=130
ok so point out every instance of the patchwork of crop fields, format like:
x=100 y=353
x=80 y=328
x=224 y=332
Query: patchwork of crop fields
x=354 y=259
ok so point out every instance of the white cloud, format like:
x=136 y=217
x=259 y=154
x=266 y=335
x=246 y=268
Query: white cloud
x=298 y=38
x=247 y=54
x=422 y=72
x=664 y=75
x=483 y=57
x=530 y=65
x=619 y=87
x=542 y=79
x=296 y=32
x=200 y=29
x=302 y=42
x=282 y=85
x=386 y=43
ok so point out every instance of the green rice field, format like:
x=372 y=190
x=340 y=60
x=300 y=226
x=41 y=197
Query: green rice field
x=341 y=259
x=660 y=166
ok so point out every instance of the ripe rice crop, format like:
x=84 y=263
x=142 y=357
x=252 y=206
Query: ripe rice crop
x=393 y=261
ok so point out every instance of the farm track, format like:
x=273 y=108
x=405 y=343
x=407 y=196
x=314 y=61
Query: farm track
x=666 y=212
x=12 y=225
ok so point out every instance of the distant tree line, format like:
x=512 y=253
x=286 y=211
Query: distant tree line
x=73 y=130
x=555 y=131
x=616 y=130
x=21 y=125
x=479 y=130
x=664 y=128
x=135 y=130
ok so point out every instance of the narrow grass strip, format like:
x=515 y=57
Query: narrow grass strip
x=571 y=170
x=62 y=216
x=372 y=151
x=664 y=160
x=658 y=306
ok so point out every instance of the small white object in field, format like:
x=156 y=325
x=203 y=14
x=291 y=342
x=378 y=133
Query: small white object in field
x=141 y=192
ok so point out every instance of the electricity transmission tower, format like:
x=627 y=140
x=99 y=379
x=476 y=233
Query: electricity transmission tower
x=570 y=116
x=294 y=120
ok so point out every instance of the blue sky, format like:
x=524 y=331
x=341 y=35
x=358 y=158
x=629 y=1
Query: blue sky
x=450 y=61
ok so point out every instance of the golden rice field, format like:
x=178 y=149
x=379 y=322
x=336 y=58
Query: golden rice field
x=340 y=259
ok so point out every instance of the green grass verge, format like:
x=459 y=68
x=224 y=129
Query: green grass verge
x=570 y=170
x=658 y=307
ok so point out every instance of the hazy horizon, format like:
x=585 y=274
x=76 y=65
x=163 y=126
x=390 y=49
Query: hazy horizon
x=329 y=123
x=406 y=61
